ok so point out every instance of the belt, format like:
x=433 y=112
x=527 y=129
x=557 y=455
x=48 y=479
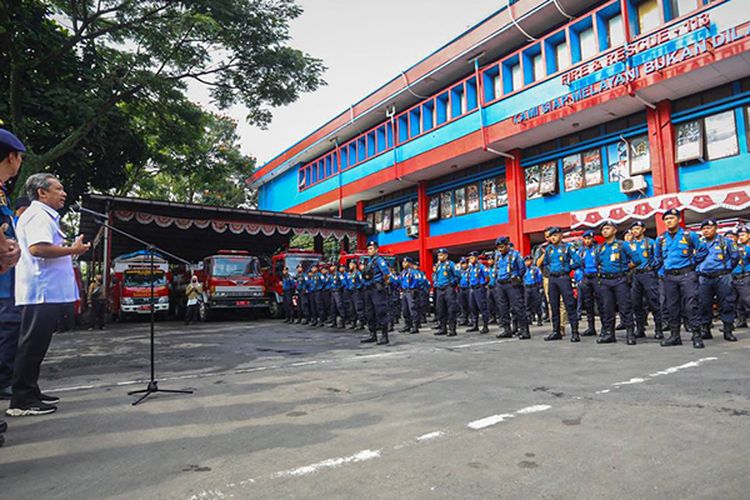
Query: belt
x=714 y=274
x=611 y=276
x=446 y=287
x=591 y=275
x=644 y=270
x=558 y=275
x=740 y=276
x=491 y=287
x=680 y=272
x=506 y=282
x=474 y=287
x=531 y=286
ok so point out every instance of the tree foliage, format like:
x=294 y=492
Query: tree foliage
x=91 y=86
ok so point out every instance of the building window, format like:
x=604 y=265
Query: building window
x=711 y=138
x=615 y=31
x=682 y=7
x=446 y=205
x=647 y=15
x=562 y=56
x=587 y=39
x=583 y=170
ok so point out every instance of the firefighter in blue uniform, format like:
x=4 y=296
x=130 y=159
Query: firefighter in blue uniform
x=315 y=299
x=558 y=259
x=409 y=285
x=478 y=278
x=613 y=259
x=715 y=280
x=509 y=291
x=587 y=295
x=302 y=306
x=464 y=288
x=445 y=279
x=491 y=301
x=740 y=320
x=394 y=300
x=356 y=301
x=741 y=273
x=532 y=286
x=645 y=282
x=423 y=293
x=289 y=287
x=324 y=294
x=338 y=307
x=376 y=275
x=680 y=251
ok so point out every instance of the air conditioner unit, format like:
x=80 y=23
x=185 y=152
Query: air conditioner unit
x=633 y=184
x=412 y=231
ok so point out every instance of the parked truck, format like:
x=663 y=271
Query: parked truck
x=291 y=259
x=130 y=288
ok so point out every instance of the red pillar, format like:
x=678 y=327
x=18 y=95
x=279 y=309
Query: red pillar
x=516 y=183
x=361 y=237
x=665 y=174
x=423 y=204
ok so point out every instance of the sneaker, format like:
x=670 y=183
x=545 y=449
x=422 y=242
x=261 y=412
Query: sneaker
x=46 y=398
x=32 y=409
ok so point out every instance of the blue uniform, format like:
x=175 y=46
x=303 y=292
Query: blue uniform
x=478 y=279
x=715 y=280
x=532 y=284
x=10 y=315
x=376 y=295
x=679 y=253
x=741 y=277
x=644 y=290
x=337 y=284
x=558 y=261
x=586 y=277
x=509 y=292
x=613 y=261
x=410 y=282
x=464 y=298
x=445 y=279
x=289 y=287
x=355 y=283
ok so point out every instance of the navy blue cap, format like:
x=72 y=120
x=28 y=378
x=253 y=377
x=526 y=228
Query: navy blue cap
x=502 y=240
x=708 y=222
x=606 y=223
x=372 y=243
x=553 y=230
x=589 y=233
x=638 y=223
x=528 y=257
x=671 y=211
x=732 y=231
x=408 y=259
x=442 y=250
x=10 y=141
x=473 y=254
x=743 y=229
x=462 y=261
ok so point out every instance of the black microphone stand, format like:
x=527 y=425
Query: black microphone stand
x=153 y=385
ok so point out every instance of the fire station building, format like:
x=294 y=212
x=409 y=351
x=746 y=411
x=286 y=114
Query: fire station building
x=548 y=112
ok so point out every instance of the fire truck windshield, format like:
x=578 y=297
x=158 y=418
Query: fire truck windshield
x=142 y=278
x=292 y=261
x=223 y=267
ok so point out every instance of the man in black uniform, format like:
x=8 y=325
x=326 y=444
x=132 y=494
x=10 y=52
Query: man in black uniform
x=376 y=276
x=445 y=280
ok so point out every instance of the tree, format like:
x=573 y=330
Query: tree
x=141 y=50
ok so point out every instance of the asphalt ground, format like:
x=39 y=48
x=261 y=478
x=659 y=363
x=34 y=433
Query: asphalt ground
x=284 y=411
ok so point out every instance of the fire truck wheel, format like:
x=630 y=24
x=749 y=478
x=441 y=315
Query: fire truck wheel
x=274 y=309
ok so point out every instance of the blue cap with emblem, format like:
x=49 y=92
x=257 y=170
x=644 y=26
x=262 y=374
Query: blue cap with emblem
x=606 y=223
x=462 y=261
x=442 y=250
x=528 y=257
x=372 y=243
x=502 y=240
x=743 y=229
x=473 y=254
x=9 y=141
x=732 y=231
x=638 y=223
x=671 y=211
x=589 y=233
x=408 y=259
x=553 y=230
x=710 y=221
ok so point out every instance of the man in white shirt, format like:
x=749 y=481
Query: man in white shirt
x=45 y=289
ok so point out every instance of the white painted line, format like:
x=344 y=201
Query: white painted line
x=634 y=380
x=603 y=391
x=489 y=421
x=430 y=435
x=329 y=464
x=533 y=409
x=675 y=369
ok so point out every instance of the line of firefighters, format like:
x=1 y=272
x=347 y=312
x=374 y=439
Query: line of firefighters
x=678 y=277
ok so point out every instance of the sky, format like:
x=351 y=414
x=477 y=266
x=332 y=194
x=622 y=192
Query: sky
x=364 y=43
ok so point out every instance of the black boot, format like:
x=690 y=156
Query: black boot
x=697 y=339
x=640 y=332
x=485 y=328
x=574 y=336
x=373 y=337
x=674 y=338
x=452 y=331
x=619 y=326
x=630 y=336
x=441 y=329
x=555 y=335
x=524 y=334
x=590 y=331
x=383 y=340
x=727 y=331
x=705 y=332
x=474 y=327
x=506 y=333
x=405 y=329
x=607 y=336
x=415 y=329
x=658 y=329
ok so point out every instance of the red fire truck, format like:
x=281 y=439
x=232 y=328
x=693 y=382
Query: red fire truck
x=291 y=259
x=231 y=279
x=130 y=289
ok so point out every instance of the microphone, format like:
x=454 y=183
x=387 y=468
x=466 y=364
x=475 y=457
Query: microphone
x=76 y=207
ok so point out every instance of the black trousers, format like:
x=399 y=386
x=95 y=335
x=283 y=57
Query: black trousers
x=587 y=296
x=305 y=306
x=288 y=303
x=559 y=286
x=10 y=327
x=191 y=313
x=38 y=323
x=681 y=298
x=376 y=307
x=337 y=305
x=464 y=303
x=98 y=310
x=445 y=305
x=646 y=286
x=614 y=295
x=410 y=308
x=533 y=297
x=721 y=288
x=510 y=297
x=357 y=306
x=478 y=301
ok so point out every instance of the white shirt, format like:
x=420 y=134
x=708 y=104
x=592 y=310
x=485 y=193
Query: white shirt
x=40 y=280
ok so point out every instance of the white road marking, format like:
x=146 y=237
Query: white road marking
x=430 y=435
x=603 y=391
x=634 y=380
x=330 y=463
x=675 y=369
x=496 y=419
x=533 y=409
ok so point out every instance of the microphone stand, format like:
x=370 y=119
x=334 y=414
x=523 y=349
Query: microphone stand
x=153 y=385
